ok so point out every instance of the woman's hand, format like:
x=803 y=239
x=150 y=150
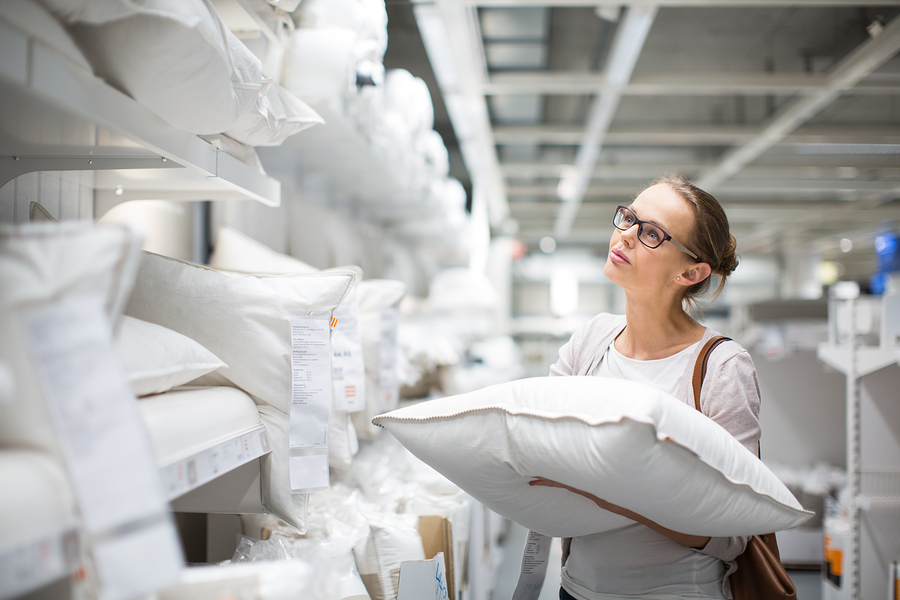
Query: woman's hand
x=691 y=541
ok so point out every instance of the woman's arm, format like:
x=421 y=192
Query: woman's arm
x=691 y=541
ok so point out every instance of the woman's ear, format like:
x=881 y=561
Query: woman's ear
x=695 y=273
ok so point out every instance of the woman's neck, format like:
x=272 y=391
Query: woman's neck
x=656 y=329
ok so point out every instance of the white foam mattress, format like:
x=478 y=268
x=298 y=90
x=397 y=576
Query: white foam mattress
x=185 y=422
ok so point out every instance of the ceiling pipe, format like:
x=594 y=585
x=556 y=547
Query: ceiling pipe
x=629 y=40
x=867 y=57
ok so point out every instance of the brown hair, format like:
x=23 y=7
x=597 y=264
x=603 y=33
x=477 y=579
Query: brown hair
x=711 y=237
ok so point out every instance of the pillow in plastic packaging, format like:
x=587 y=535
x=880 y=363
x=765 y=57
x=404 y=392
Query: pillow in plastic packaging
x=178 y=59
x=274 y=117
x=378 y=301
x=237 y=252
x=245 y=321
x=43 y=265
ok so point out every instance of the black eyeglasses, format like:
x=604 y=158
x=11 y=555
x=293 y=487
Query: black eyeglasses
x=650 y=234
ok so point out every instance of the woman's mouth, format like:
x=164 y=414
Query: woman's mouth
x=617 y=256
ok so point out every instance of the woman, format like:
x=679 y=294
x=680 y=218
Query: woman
x=664 y=249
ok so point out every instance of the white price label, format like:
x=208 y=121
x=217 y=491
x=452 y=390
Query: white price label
x=311 y=389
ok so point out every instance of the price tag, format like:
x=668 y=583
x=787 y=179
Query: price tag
x=534 y=567
x=106 y=447
x=348 y=368
x=311 y=388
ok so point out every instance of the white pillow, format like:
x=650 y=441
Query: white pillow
x=245 y=322
x=237 y=252
x=625 y=442
x=393 y=539
x=378 y=301
x=274 y=117
x=178 y=59
x=42 y=264
x=157 y=359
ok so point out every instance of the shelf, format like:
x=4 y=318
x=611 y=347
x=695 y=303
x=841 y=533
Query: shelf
x=58 y=116
x=195 y=470
x=868 y=359
x=32 y=564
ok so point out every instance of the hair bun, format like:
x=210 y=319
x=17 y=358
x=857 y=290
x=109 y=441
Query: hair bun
x=730 y=259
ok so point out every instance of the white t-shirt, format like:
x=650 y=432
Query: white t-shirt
x=635 y=560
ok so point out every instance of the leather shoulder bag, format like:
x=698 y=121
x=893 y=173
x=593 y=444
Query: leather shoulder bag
x=760 y=574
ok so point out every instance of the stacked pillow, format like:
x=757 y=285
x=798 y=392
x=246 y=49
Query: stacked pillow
x=378 y=301
x=245 y=321
x=181 y=61
x=156 y=359
x=622 y=441
x=236 y=252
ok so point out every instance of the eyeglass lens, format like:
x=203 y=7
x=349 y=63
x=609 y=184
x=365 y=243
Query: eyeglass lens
x=649 y=234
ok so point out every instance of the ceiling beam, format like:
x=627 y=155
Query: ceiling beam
x=668 y=84
x=725 y=135
x=631 y=33
x=715 y=3
x=649 y=171
x=867 y=57
x=741 y=212
x=847 y=189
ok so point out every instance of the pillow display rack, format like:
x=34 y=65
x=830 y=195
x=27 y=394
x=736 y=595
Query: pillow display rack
x=622 y=441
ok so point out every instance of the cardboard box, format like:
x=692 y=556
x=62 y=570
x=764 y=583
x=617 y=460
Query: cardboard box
x=423 y=579
x=437 y=537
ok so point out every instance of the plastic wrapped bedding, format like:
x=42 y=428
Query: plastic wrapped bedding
x=237 y=252
x=245 y=321
x=366 y=18
x=276 y=115
x=42 y=264
x=178 y=59
x=186 y=421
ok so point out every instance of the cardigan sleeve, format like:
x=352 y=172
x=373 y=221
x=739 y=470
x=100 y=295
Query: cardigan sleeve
x=565 y=364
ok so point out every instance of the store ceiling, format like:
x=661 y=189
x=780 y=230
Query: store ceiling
x=788 y=112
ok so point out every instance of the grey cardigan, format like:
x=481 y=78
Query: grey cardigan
x=729 y=396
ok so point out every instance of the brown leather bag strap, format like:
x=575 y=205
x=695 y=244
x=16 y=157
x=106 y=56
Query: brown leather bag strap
x=700 y=366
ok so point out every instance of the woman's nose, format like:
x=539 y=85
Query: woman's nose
x=630 y=235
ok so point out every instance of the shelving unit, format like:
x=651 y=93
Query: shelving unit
x=873 y=450
x=60 y=117
x=38 y=562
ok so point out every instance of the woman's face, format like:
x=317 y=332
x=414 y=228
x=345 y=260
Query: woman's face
x=632 y=265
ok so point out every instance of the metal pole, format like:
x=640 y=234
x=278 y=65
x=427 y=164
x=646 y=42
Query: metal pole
x=853 y=450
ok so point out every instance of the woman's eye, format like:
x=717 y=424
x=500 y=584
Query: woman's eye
x=653 y=235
